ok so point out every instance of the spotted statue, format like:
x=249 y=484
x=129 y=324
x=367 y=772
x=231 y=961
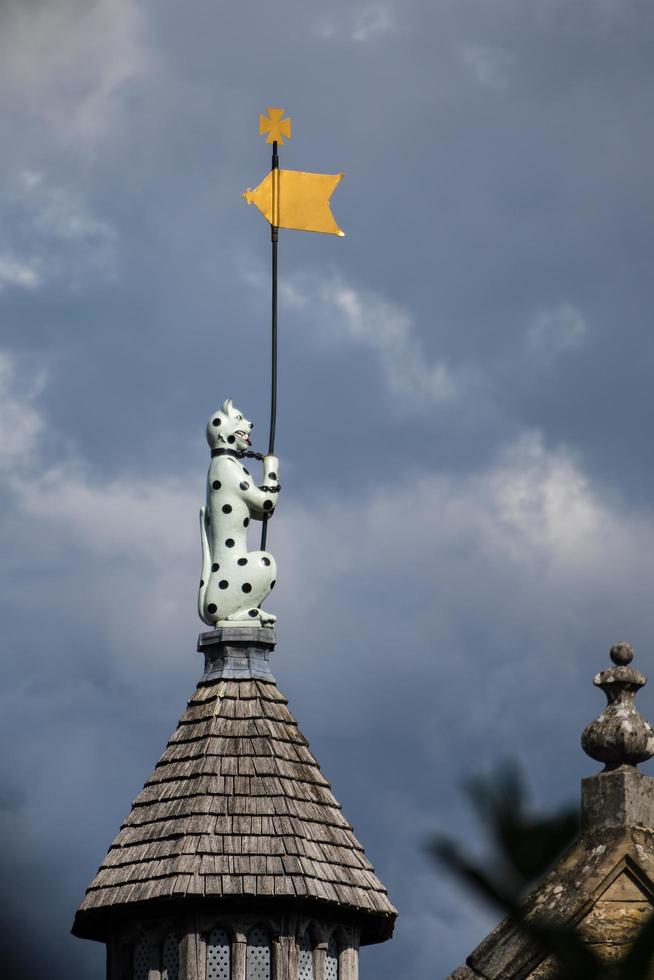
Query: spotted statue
x=235 y=581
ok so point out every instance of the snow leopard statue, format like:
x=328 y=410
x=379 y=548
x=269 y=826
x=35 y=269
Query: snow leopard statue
x=235 y=581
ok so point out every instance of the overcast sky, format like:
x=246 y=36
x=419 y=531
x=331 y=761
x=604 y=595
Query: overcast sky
x=466 y=523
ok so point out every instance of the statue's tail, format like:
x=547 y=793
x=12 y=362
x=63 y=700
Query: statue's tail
x=206 y=568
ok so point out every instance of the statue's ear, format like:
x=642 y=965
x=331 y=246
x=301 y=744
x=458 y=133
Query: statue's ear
x=227 y=406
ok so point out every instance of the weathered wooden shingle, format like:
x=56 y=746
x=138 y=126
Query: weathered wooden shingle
x=236 y=806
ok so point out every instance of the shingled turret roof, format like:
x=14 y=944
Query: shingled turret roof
x=237 y=807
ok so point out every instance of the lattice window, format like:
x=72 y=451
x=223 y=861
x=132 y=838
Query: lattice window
x=141 y=961
x=258 y=955
x=331 y=960
x=305 y=971
x=219 y=955
x=170 y=957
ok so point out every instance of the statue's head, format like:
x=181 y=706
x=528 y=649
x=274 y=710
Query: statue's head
x=229 y=429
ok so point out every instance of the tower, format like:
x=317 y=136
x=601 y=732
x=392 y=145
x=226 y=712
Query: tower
x=235 y=861
x=603 y=887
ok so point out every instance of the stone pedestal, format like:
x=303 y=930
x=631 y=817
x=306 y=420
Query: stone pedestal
x=621 y=798
x=237 y=653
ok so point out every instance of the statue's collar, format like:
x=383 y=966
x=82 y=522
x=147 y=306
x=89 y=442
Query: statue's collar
x=224 y=452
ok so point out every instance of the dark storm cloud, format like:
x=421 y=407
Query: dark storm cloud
x=464 y=383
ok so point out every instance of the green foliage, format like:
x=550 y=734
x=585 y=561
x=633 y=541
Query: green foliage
x=525 y=846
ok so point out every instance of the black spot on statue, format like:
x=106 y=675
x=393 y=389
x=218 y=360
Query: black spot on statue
x=215 y=567
x=242 y=561
x=216 y=484
x=231 y=438
x=223 y=584
x=246 y=521
x=272 y=476
x=201 y=582
x=244 y=485
x=212 y=608
x=215 y=421
x=246 y=587
x=272 y=584
x=265 y=561
x=267 y=505
x=227 y=508
x=253 y=612
x=229 y=543
x=246 y=471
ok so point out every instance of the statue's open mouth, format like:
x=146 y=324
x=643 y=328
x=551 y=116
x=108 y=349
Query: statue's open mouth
x=243 y=436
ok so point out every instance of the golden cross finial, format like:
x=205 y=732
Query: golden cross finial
x=275 y=126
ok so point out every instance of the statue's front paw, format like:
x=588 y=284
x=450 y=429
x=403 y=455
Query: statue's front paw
x=255 y=616
x=260 y=617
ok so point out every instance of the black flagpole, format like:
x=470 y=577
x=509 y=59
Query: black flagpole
x=274 y=236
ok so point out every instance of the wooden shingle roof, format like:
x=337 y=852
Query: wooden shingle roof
x=237 y=808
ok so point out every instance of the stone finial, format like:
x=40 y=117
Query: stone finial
x=620 y=736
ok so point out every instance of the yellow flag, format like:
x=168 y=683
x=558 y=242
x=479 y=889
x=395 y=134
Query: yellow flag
x=294 y=199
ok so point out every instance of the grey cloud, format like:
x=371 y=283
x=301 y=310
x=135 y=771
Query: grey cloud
x=51 y=235
x=553 y=332
x=65 y=63
x=489 y=66
x=452 y=571
x=524 y=537
x=370 y=321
